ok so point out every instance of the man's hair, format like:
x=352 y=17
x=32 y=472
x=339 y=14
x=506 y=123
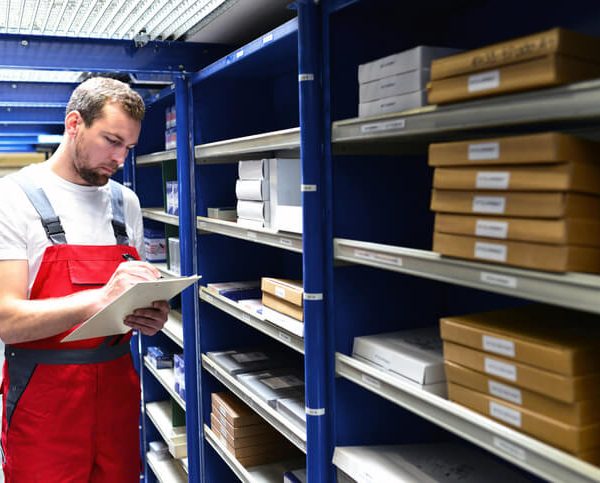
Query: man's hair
x=90 y=97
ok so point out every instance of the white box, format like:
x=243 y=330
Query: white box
x=253 y=169
x=412 y=81
x=274 y=384
x=254 y=210
x=251 y=224
x=294 y=409
x=252 y=189
x=429 y=463
x=413 y=59
x=174 y=257
x=284 y=321
x=285 y=180
x=400 y=103
x=414 y=354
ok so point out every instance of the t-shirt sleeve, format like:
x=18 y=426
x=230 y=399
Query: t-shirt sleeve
x=15 y=213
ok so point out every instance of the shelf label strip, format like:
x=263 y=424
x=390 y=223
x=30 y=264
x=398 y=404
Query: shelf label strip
x=315 y=412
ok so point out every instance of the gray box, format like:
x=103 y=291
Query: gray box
x=400 y=103
x=237 y=362
x=274 y=384
x=395 y=85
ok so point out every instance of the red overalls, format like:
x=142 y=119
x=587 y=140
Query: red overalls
x=71 y=410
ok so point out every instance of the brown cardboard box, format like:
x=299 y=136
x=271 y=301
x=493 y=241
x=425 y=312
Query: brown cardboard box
x=563 y=388
x=241 y=442
x=282 y=306
x=289 y=290
x=578 y=413
x=554 y=258
x=569 y=231
x=565 y=176
x=547 y=71
x=233 y=410
x=517 y=204
x=543 y=148
x=240 y=431
x=569 y=438
x=556 y=40
x=549 y=338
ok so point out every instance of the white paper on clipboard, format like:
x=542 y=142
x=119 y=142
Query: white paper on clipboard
x=109 y=320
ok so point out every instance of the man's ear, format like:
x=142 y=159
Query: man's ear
x=72 y=122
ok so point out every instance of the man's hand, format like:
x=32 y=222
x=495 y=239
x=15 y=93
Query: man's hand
x=149 y=320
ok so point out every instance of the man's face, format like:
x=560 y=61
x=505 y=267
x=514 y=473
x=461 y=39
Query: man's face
x=102 y=148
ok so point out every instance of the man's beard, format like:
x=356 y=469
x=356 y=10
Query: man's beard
x=88 y=175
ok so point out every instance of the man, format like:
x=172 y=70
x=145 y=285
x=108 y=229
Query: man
x=71 y=409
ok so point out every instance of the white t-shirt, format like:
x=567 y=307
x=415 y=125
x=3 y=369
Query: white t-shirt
x=85 y=213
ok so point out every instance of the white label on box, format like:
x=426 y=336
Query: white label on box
x=267 y=38
x=510 y=449
x=489 y=204
x=282 y=382
x=508 y=415
x=484 y=81
x=383 y=126
x=492 y=180
x=370 y=381
x=492 y=229
x=500 y=369
x=505 y=392
x=490 y=251
x=479 y=151
x=249 y=357
x=280 y=292
x=498 y=346
x=500 y=280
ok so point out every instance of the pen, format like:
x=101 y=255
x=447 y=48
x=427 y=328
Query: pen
x=128 y=257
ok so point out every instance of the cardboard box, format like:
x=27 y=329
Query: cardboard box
x=395 y=85
x=239 y=431
x=525 y=205
x=290 y=290
x=233 y=410
x=566 y=176
x=573 y=439
x=414 y=354
x=282 y=451
x=539 y=44
x=272 y=451
x=412 y=59
x=541 y=336
x=543 y=148
x=537 y=256
x=282 y=306
x=399 y=103
x=237 y=362
x=546 y=71
x=569 y=231
x=577 y=414
x=563 y=388
x=229 y=439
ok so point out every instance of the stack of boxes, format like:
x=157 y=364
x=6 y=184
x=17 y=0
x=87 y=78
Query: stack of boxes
x=252 y=192
x=530 y=201
x=245 y=434
x=179 y=371
x=170 y=128
x=283 y=302
x=172 y=197
x=154 y=245
x=534 y=368
x=396 y=82
x=543 y=59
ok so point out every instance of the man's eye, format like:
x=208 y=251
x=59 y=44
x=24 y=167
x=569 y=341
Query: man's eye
x=112 y=141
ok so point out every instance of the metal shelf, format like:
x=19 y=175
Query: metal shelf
x=519 y=449
x=174 y=327
x=174 y=436
x=272 y=144
x=573 y=290
x=156 y=158
x=168 y=470
x=570 y=103
x=159 y=214
x=271 y=473
x=287 y=241
x=275 y=419
x=295 y=341
x=167 y=379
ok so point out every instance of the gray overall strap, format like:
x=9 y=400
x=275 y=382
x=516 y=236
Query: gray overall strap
x=39 y=200
x=118 y=213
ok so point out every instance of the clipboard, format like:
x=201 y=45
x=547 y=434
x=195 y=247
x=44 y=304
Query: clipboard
x=109 y=320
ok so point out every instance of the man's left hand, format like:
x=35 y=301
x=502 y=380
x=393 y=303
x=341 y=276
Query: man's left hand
x=149 y=320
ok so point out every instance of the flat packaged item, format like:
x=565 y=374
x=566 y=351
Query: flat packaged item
x=254 y=306
x=413 y=354
x=274 y=384
x=233 y=410
x=542 y=148
x=265 y=437
x=159 y=357
x=289 y=290
x=294 y=409
x=568 y=389
x=520 y=49
x=429 y=463
x=536 y=256
x=394 y=85
x=282 y=306
x=253 y=169
x=417 y=58
x=236 y=290
x=517 y=204
x=284 y=321
x=551 y=338
x=244 y=431
x=226 y=213
x=237 y=362
x=252 y=189
x=548 y=71
x=579 y=413
x=562 y=231
x=399 y=103
x=574 y=439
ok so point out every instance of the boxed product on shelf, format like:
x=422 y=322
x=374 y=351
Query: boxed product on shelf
x=229 y=408
x=394 y=85
x=237 y=362
x=170 y=117
x=254 y=214
x=295 y=476
x=253 y=169
x=538 y=256
x=159 y=357
x=291 y=291
x=159 y=450
x=568 y=389
x=238 y=432
x=171 y=138
x=284 y=321
x=179 y=370
x=269 y=435
x=574 y=439
x=236 y=290
x=578 y=413
x=294 y=409
x=226 y=213
x=155 y=245
x=420 y=462
x=252 y=189
x=279 y=305
x=174 y=257
x=414 y=354
x=255 y=306
x=271 y=385
x=285 y=180
x=172 y=197
x=401 y=102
